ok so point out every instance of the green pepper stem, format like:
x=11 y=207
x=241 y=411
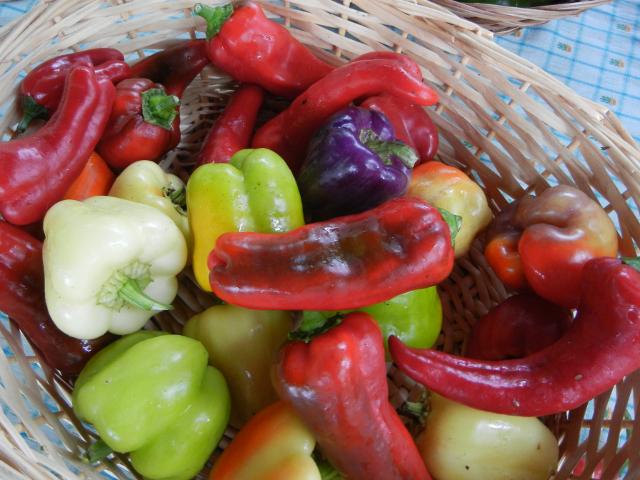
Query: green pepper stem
x=31 y=110
x=131 y=293
x=632 y=262
x=314 y=325
x=177 y=197
x=215 y=16
x=158 y=108
x=386 y=149
x=454 y=221
x=97 y=451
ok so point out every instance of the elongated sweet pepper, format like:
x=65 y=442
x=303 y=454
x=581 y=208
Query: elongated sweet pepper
x=411 y=123
x=109 y=265
x=233 y=129
x=253 y=49
x=447 y=187
x=274 y=445
x=254 y=192
x=356 y=427
x=22 y=299
x=38 y=169
x=95 y=179
x=345 y=263
x=152 y=394
x=42 y=88
x=242 y=344
x=517 y=327
x=556 y=233
x=354 y=163
x=146 y=182
x=289 y=132
x=601 y=346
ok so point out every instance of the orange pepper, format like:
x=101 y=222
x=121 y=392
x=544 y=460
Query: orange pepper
x=95 y=179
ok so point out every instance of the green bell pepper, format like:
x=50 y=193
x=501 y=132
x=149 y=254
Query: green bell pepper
x=242 y=343
x=415 y=317
x=254 y=192
x=152 y=394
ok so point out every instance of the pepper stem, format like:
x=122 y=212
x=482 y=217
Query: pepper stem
x=314 y=325
x=177 y=197
x=215 y=16
x=97 y=451
x=158 y=108
x=454 y=221
x=30 y=111
x=386 y=149
x=632 y=262
x=131 y=293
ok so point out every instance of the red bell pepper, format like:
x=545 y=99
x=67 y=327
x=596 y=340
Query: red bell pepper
x=596 y=352
x=556 y=232
x=38 y=169
x=289 y=132
x=253 y=49
x=344 y=263
x=337 y=383
x=411 y=123
x=519 y=326
x=41 y=90
x=22 y=299
x=232 y=131
x=95 y=179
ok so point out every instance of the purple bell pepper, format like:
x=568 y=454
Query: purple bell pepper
x=354 y=163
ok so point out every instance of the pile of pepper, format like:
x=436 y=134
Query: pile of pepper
x=322 y=234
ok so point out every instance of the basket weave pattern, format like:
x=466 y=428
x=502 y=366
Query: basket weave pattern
x=504 y=121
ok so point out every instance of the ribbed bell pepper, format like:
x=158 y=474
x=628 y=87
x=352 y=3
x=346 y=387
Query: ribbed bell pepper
x=152 y=394
x=109 y=265
x=274 y=445
x=146 y=182
x=254 y=192
x=242 y=344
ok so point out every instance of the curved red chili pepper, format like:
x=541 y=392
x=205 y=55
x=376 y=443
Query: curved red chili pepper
x=232 y=130
x=596 y=352
x=340 y=264
x=38 y=169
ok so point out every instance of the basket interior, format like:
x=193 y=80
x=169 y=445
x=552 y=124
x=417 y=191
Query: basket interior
x=506 y=123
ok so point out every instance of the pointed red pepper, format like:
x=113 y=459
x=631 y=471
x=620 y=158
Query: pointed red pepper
x=600 y=348
x=38 y=169
x=337 y=383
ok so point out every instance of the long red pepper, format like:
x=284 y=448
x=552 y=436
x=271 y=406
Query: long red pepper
x=38 y=169
x=337 y=383
x=42 y=88
x=597 y=351
x=232 y=130
x=340 y=264
x=289 y=132
x=253 y=49
x=22 y=298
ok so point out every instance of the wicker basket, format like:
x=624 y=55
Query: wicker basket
x=504 y=19
x=511 y=126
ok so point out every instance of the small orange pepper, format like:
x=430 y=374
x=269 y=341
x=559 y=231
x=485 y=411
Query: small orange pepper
x=95 y=179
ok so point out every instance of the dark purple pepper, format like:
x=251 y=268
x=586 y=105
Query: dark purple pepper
x=353 y=163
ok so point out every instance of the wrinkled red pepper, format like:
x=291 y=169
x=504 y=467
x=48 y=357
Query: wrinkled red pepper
x=42 y=88
x=253 y=49
x=233 y=129
x=337 y=383
x=38 y=169
x=22 y=299
x=556 y=233
x=411 y=123
x=596 y=352
x=344 y=263
x=519 y=326
x=289 y=132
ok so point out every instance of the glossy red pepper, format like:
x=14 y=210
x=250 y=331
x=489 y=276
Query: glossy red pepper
x=596 y=352
x=38 y=169
x=289 y=132
x=411 y=123
x=253 y=49
x=344 y=263
x=556 y=232
x=22 y=299
x=519 y=326
x=42 y=88
x=337 y=383
x=233 y=129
